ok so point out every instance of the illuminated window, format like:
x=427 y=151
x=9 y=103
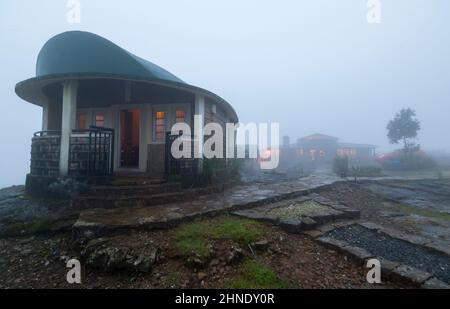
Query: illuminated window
x=82 y=122
x=300 y=152
x=160 y=126
x=99 y=120
x=322 y=153
x=347 y=152
x=179 y=116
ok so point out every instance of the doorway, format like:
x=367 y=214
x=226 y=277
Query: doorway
x=129 y=138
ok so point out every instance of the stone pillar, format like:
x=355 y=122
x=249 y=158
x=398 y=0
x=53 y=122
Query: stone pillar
x=68 y=122
x=199 y=122
x=45 y=117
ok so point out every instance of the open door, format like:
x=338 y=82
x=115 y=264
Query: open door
x=129 y=138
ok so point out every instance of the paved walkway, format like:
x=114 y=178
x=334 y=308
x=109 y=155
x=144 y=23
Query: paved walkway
x=99 y=221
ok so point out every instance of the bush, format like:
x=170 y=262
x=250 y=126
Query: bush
x=340 y=166
x=410 y=163
x=366 y=171
x=219 y=171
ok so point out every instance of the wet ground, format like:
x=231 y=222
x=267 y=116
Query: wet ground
x=414 y=207
x=395 y=250
x=297 y=260
x=401 y=205
x=427 y=194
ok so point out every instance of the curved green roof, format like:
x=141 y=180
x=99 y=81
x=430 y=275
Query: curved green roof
x=84 y=55
x=77 y=52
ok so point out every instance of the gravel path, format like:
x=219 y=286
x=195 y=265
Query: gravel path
x=395 y=250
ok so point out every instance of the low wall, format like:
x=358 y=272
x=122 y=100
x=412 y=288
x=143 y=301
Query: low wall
x=45 y=156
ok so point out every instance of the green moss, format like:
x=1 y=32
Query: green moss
x=197 y=236
x=255 y=275
x=424 y=212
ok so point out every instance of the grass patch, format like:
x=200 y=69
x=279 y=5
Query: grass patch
x=255 y=275
x=187 y=246
x=242 y=231
x=424 y=212
x=197 y=236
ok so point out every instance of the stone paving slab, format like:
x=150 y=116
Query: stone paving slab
x=298 y=214
x=100 y=221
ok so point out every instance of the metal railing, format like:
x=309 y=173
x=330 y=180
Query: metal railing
x=92 y=152
x=47 y=133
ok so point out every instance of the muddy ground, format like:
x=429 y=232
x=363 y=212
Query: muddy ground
x=274 y=259
x=291 y=261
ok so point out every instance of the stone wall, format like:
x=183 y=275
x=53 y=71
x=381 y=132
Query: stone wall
x=45 y=156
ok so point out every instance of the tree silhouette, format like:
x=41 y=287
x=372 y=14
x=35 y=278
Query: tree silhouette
x=404 y=127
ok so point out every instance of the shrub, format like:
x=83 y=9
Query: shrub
x=410 y=163
x=366 y=171
x=340 y=166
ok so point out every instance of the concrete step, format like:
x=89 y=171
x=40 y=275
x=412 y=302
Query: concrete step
x=133 y=190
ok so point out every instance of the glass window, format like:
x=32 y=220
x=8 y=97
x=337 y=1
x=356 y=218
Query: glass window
x=179 y=116
x=160 y=126
x=99 y=120
x=82 y=122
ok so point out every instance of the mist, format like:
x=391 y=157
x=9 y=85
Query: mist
x=313 y=66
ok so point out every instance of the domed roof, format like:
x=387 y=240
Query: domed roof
x=78 y=52
x=84 y=55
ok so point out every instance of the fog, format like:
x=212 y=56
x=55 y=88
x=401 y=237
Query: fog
x=315 y=66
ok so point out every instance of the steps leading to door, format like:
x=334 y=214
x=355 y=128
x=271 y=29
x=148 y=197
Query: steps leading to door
x=112 y=201
x=132 y=190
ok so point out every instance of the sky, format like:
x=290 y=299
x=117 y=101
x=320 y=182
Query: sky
x=314 y=66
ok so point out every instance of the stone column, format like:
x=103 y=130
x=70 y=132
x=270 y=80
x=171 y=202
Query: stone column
x=45 y=116
x=68 y=122
x=199 y=122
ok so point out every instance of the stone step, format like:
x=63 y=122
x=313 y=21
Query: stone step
x=133 y=190
x=136 y=181
x=86 y=202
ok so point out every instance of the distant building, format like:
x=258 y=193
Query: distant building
x=319 y=148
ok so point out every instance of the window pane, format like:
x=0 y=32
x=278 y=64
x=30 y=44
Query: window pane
x=160 y=126
x=99 y=120
x=82 y=122
x=179 y=116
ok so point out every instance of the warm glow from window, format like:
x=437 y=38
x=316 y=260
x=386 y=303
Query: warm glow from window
x=179 y=116
x=347 y=152
x=99 y=120
x=82 y=122
x=160 y=126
